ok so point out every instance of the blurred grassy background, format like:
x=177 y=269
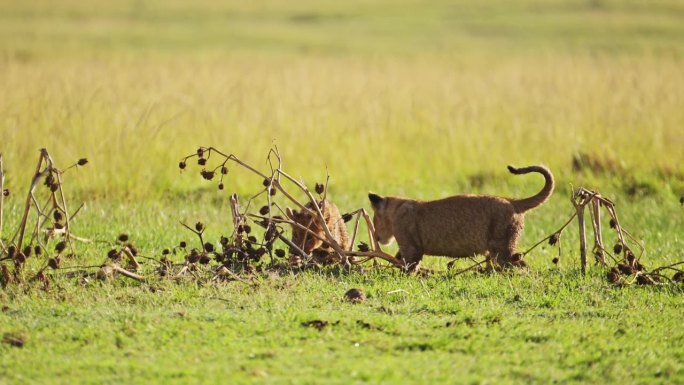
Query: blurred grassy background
x=407 y=97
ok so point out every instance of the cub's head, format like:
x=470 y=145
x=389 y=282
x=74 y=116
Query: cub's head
x=301 y=237
x=381 y=219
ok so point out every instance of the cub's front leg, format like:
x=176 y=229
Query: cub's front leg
x=411 y=257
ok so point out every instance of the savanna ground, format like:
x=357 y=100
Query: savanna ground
x=413 y=98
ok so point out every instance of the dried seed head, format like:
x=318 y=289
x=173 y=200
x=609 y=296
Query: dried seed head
x=59 y=247
x=224 y=170
x=200 y=152
x=220 y=186
x=280 y=253
x=617 y=249
x=273 y=192
x=626 y=269
x=54 y=187
x=678 y=276
x=166 y=252
x=208 y=247
x=247 y=229
x=27 y=251
x=252 y=239
x=355 y=295
x=19 y=258
x=57 y=215
x=54 y=263
x=194 y=256
x=264 y=210
x=201 y=161
x=199 y=226
x=644 y=280
x=266 y=182
x=38 y=250
x=6 y=192
x=613 y=223
x=204 y=259
x=224 y=241
x=182 y=165
x=613 y=277
x=82 y=162
x=346 y=217
x=11 y=250
x=320 y=188
x=183 y=244
x=208 y=175
x=363 y=247
x=555 y=260
x=681 y=200
x=113 y=254
x=629 y=256
x=554 y=239
x=123 y=238
x=49 y=180
x=58 y=226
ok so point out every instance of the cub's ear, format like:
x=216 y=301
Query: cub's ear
x=375 y=199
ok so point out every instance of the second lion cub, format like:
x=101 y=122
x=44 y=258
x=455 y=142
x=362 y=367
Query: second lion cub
x=458 y=226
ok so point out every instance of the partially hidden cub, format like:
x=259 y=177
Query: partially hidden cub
x=309 y=243
x=458 y=226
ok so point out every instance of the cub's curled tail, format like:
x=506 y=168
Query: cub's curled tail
x=522 y=205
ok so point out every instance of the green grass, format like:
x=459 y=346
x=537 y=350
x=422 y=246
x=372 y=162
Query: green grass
x=422 y=99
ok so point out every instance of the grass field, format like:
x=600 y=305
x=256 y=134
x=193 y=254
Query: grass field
x=414 y=98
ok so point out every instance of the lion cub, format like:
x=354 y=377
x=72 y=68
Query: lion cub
x=458 y=226
x=307 y=242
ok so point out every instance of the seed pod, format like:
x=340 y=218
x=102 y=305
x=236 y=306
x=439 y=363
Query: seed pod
x=613 y=277
x=644 y=280
x=11 y=250
x=224 y=170
x=280 y=253
x=82 y=162
x=49 y=180
x=208 y=175
x=37 y=250
x=320 y=188
x=355 y=295
x=626 y=269
x=264 y=210
x=6 y=192
x=204 y=259
x=613 y=223
x=182 y=165
x=199 y=226
x=200 y=152
x=58 y=226
x=166 y=252
x=629 y=256
x=123 y=238
x=60 y=247
x=224 y=241
x=678 y=276
x=617 y=249
x=252 y=239
x=363 y=247
x=273 y=192
x=266 y=182
x=247 y=229
x=201 y=161
x=240 y=229
x=19 y=258
x=347 y=217
x=220 y=186
x=57 y=215
x=113 y=254
x=681 y=200
x=27 y=251
x=194 y=256
x=554 y=239
x=54 y=187
x=183 y=244
x=555 y=260
x=208 y=247
x=54 y=263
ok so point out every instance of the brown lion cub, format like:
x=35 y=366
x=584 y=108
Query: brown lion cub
x=458 y=226
x=333 y=220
